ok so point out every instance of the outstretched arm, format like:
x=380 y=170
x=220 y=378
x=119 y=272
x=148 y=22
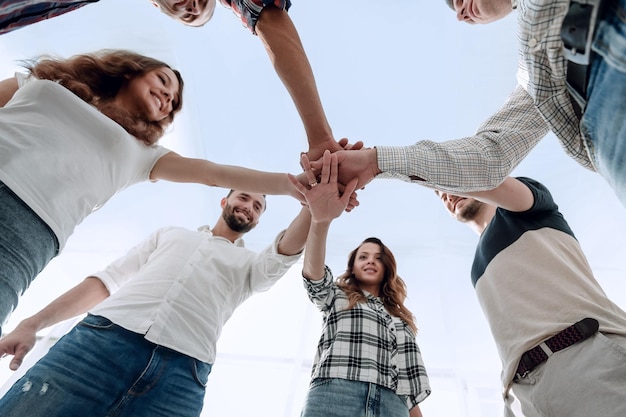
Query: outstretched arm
x=283 y=45
x=176 y=168
x=77 y=300
x=325 y=204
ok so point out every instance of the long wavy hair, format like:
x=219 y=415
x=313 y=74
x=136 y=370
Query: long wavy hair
x=98 y=77
x=392 y=288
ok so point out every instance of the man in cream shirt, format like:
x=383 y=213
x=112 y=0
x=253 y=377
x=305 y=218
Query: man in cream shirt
x=147 y=348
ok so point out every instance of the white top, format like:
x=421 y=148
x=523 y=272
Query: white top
x=180 y=287
x=63 y=157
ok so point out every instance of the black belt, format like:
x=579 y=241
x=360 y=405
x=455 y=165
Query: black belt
x=577 y=33
x=568 y=337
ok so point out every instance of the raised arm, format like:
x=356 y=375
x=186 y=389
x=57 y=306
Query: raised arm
x=77 y=300
x=8 y=88
x=325 y=204
x=283 y=45
x=512 y=195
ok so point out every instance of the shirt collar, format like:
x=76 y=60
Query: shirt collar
x=207 y=229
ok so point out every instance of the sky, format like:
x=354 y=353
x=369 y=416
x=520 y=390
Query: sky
x=388 y=73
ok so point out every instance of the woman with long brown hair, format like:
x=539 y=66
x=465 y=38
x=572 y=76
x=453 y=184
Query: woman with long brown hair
x=367 y=361
x=73 y=133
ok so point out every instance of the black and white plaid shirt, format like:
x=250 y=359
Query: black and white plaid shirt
x=366 y=343
x=540 y=103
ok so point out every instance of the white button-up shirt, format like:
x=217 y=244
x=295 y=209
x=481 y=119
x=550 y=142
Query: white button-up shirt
x=179 y=287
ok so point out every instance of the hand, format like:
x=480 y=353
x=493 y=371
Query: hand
x=361 y=164
x=317 y=151
x=323 y=197
x=18 y=343
x=346 y=146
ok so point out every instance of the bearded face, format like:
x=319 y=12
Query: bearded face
x=468 y=209
x=239 y=220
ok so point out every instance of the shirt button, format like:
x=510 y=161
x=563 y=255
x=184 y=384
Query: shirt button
x=532 y=42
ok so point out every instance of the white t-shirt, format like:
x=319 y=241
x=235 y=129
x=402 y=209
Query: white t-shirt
x=63 y=157
x=179 y=287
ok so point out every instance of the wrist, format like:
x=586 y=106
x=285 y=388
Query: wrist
x=373 y=161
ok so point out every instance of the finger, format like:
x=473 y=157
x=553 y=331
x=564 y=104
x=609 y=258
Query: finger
x=327 y=158
x=334 y=171
x=306 y=165
x=350 y=188
x=15 y=363
x=297 y=185
x=357 y=146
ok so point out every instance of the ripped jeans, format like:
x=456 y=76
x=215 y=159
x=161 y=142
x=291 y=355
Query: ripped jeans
x=100 y=369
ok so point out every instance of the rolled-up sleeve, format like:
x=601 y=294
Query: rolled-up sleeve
x=270 y=266
x=248 y=11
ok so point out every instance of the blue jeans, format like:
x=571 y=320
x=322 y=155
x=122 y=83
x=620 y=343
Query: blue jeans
x=334 y=397
x=604 y=121
x=26 y=246
x=111 y=372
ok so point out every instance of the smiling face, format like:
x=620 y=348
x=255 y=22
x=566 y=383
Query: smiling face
x=480 y=11
x=461 y=208
x=151 y=96
x=368 y=268
x=188 y=12
x=242 y=211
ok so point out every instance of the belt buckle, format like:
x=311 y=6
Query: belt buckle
x=578 y=28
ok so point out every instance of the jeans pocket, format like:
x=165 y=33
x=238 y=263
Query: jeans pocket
x=96 y=322
x=200 y=371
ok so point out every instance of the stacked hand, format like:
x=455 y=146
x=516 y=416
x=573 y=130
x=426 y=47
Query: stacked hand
x=324 y=198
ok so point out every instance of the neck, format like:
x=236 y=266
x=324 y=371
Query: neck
x=482 y=218
x=221 y=229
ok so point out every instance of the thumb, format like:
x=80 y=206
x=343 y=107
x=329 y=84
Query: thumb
x=350 y=188
x=17 y=360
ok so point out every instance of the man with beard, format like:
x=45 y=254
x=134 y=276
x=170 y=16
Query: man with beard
x=148 y=347
x=561 y=341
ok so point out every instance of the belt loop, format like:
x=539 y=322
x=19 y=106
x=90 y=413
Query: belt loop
x=546 y=349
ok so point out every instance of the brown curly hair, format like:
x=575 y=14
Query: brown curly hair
x=392 y=288
x=98 y=77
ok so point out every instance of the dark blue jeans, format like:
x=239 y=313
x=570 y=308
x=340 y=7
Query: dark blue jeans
x=26 y=246
x=100 y=369
x=604 y=121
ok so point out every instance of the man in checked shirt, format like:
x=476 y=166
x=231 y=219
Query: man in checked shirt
x=542 y=102
x=561 y=340
x=266 y=18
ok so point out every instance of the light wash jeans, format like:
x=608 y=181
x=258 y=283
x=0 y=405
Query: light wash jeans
x=604 y=121
x=100 y=369
x=334 y=397
x=26 y=246
x=587 y=379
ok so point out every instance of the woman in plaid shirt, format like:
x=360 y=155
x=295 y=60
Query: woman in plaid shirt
x=367 y=360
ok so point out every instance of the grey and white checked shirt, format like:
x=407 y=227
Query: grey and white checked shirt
x=540 y=103
x=366 y=343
